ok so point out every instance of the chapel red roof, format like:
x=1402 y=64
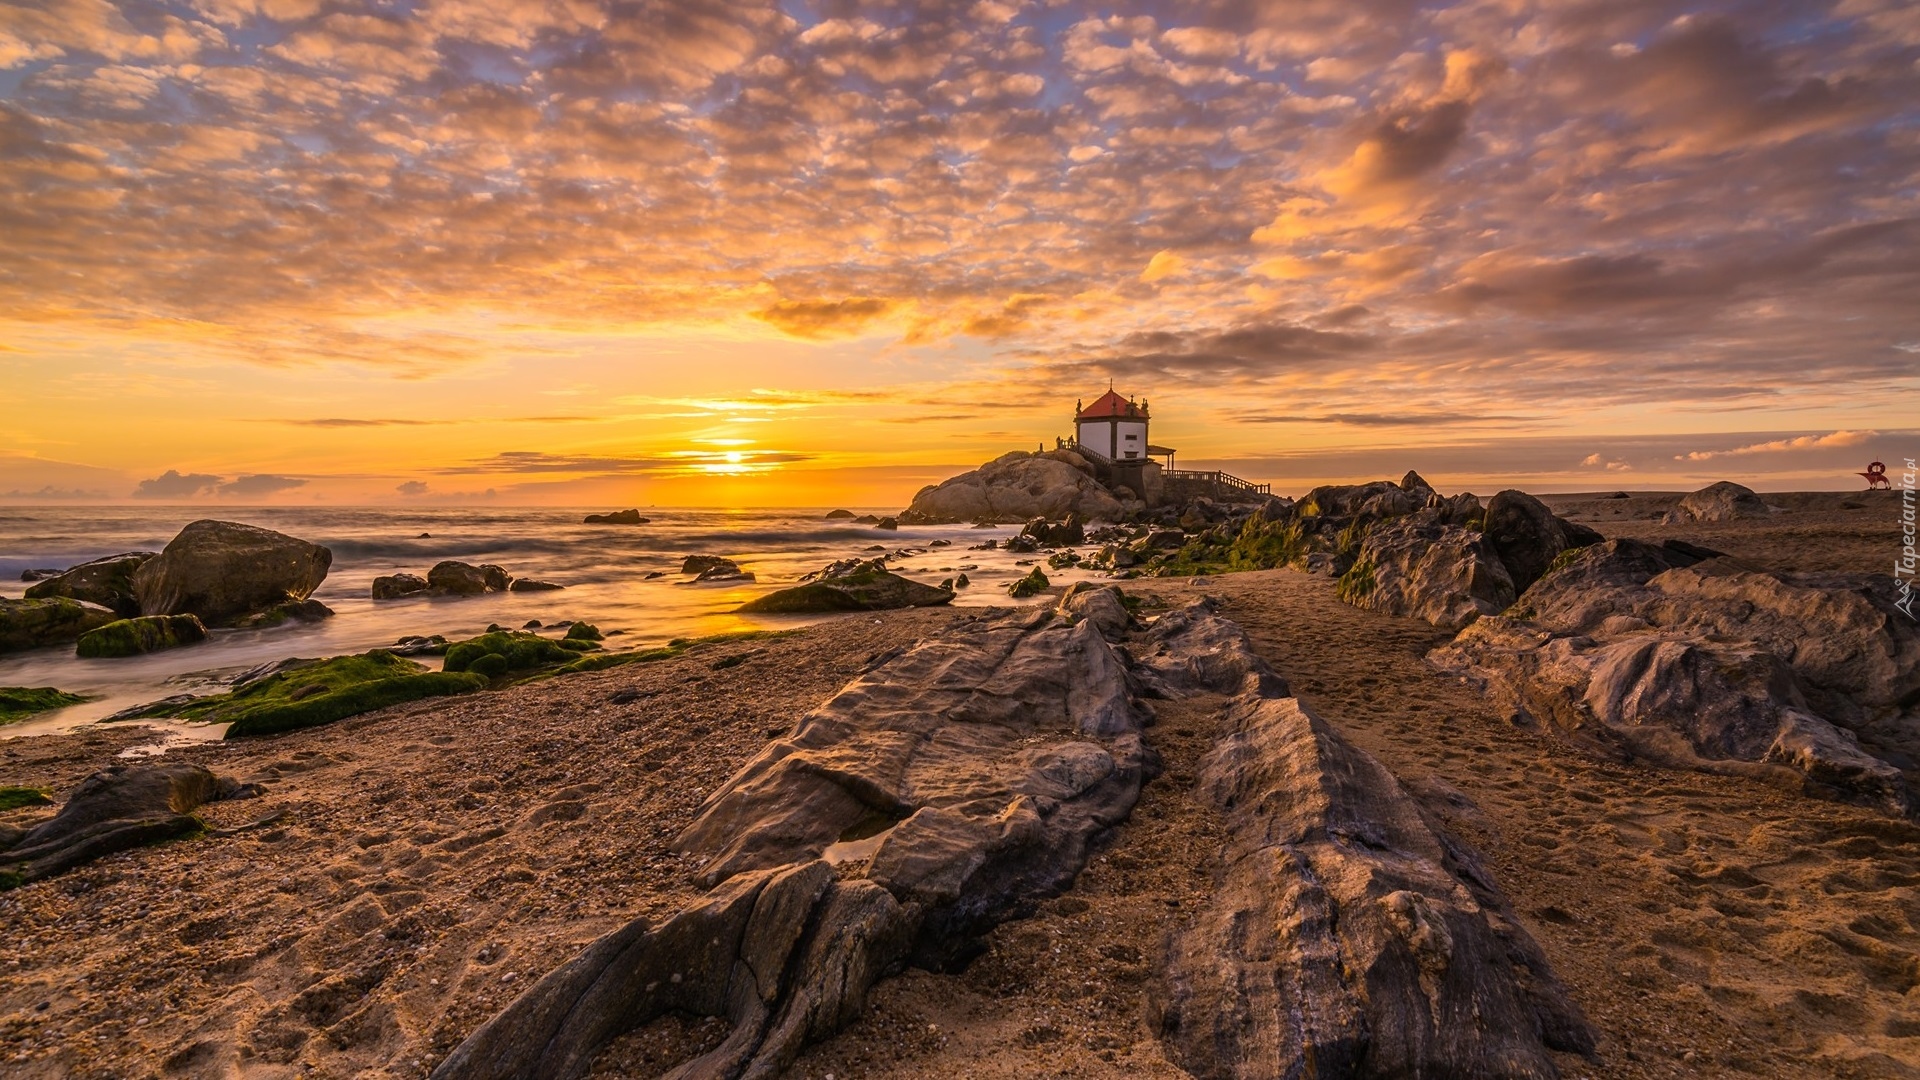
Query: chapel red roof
x=1109 y=405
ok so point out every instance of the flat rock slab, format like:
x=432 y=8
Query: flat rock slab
x=113 y=810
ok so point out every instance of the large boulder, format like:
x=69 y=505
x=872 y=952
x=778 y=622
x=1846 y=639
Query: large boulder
x=148 y=633
x=394 y=586
x=1677 y=655
x=1528 y=537
x=1016 y=487
x=454 y=578
x=224 y=572
x=1373 y=501
x=107 y=582
x=52 y=620
x=1416 y=566
x=850 y=585
x=1724 y=501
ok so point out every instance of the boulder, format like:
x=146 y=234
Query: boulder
x=850 y=585
x=393 y=586
x=1724 y=501
x=1055 y=533
x=618 y=517
x=1379 y=499
x=1680 y=656
x=453 y=578
x=107 y=582
x=1528 y=537
x=122 y=807
x=888 y=523
x=534 y=585
x=148 y=633
x=1016 y=487
x=1416 y=566
x=1413 y=482
x=839 y=515
x=700 y=564
x=223 y=572
x=1034 y=583
x=38 y=575
x=498 y=580
x=53 y=620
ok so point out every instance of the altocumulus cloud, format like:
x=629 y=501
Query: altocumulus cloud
x=1551 y=204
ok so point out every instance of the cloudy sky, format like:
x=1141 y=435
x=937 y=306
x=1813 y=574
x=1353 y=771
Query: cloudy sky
x=724 y=251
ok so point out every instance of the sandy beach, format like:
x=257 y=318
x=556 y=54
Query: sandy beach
x=407 y=872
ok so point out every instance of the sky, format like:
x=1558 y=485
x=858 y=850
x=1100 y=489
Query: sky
x=726 y=252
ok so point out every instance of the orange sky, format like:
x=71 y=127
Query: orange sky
x=731 y=253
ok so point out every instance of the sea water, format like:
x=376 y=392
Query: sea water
x=605 y=569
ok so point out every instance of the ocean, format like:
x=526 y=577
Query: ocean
x=604 y=569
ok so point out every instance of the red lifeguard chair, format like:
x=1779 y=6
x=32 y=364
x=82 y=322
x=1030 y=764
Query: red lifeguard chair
x=1876 y=475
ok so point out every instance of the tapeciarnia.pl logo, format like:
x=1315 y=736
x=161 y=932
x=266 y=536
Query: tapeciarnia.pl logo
x=1904 y=565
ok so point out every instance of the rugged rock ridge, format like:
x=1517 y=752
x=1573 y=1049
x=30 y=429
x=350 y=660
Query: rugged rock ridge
x=950 y=785
x=1435 y=565
x=1680 y=655
x=1349 y=935
x=967 y=776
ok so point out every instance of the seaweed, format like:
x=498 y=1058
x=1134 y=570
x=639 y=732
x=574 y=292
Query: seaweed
x=20 y=702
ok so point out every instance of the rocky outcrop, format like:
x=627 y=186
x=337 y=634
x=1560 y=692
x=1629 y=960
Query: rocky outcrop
x=394 y=586
x=850 y=585
x=1677 y=655
x=700 y=564
x=224 y=572
x=134 y=637
x=107 y=582
x=1724 y=501
x=119 y=808
x=839 y=515
x=1016 y=487
x=901 y=819
x=53 y=620
x=534 y=585
x=1528 y=537
x=618 y=517
x=1348 y=935
x=1445 y=574
x=1032 y=585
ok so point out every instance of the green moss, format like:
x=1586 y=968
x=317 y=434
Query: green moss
x=1350 y=538
x=583 y=632
x=1029 y=585
x=133 y=637
x=1265 y=545
x=10 y=880
x=517 y=651
x=323 y=692
x=492 y=665
x=1565 y=559
x=671 y=649
x=20 y=702
x=1356 y=583
x=13 y=798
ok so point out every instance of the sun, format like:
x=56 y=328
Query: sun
x=735 y=457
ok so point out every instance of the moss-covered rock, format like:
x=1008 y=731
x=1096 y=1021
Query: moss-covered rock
x=310 y=693
x=51 y=620
x=20 y=702
x=132 y=637
x=1030 y=585
x=516 y=652
x=581 y=631
x=224 y=571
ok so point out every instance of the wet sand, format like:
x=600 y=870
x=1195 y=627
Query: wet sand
x=434 y=857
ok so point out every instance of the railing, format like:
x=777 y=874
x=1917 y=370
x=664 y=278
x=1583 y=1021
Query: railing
x=1218 y=479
